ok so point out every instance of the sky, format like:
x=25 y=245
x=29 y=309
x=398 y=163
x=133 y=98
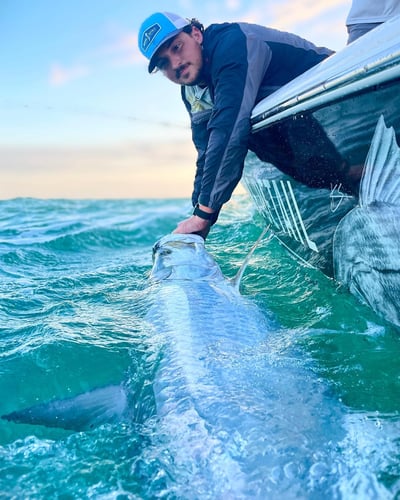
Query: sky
x=80 y=117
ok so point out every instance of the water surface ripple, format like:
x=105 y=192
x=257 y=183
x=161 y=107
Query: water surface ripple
x=73 y=302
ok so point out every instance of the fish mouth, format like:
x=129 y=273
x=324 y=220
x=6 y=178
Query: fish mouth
x=178 y=241
x=181 y=257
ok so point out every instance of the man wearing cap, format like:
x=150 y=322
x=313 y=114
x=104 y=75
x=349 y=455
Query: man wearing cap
x=223 y=72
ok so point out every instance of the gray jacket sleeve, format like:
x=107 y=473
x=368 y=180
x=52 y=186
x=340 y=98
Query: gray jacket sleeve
x=237 y=68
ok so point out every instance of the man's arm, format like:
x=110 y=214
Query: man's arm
x=237 y=68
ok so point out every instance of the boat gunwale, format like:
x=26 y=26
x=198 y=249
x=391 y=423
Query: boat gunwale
x=357 y=67
x=311 y=101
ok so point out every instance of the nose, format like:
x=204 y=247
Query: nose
x=175 y=61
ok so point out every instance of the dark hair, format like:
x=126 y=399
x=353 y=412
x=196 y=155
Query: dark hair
x=193 y=22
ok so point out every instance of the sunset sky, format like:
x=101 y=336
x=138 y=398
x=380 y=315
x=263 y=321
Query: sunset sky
x=80 y=117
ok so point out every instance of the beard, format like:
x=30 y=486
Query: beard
x=196 y=76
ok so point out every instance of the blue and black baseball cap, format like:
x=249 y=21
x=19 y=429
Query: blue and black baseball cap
x=156 y=30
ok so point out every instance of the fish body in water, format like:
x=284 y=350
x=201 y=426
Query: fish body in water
x=367 y=239
x=239 y=419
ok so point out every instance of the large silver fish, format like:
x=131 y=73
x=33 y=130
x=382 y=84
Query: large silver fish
x=238 y=419
x=238 y=415
x=367 y=239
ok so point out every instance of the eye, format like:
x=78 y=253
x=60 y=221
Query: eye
x=176 y=47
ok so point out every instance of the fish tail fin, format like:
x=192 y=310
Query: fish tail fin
x=83 y=412
x=381 y=177
x=236 y=280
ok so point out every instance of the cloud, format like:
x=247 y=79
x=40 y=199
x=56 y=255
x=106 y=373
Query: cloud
x=321 y=22
x=294 y=12
x=122 y=51
x=60 y=75
x=136 y=170
x=233 y=5
x=186 y=5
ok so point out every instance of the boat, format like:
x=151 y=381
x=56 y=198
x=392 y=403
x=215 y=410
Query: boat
x=318 y=134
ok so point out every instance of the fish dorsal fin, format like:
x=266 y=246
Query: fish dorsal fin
x=236 y=280
x=381 y=177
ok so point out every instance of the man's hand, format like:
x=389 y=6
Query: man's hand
x=194 y=224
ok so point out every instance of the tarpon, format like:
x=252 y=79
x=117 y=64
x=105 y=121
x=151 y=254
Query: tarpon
x=367 y=239
x=236 y=417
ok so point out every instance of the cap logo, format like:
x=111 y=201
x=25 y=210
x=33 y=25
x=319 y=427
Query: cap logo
x=149 y=35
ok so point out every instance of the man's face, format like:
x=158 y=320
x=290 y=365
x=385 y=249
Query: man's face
x=181 y=60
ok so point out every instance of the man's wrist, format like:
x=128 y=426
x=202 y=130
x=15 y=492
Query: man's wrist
x=203 y=213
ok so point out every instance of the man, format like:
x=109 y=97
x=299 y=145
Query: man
x=223 y=72
x=366 y=15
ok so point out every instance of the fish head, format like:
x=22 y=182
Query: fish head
x=183 y=257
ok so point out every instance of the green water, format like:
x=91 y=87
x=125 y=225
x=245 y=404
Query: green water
x=73 y=300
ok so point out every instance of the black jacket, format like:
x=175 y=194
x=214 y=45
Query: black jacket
x=243 y=63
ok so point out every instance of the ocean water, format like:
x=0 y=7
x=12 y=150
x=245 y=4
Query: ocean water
x=73 y=304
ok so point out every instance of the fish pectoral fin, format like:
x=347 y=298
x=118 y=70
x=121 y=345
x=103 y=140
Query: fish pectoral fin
x=83 y=412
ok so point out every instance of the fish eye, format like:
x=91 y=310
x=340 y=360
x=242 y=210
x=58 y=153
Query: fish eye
x=165 y=251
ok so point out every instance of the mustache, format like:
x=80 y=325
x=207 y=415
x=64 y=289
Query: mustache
x=178 y=71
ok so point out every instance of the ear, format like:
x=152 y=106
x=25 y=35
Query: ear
x=197 y=35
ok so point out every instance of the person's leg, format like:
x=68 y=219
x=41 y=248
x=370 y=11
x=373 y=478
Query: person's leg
x=356 y=30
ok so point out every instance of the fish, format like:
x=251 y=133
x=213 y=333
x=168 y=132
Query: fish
x=367 y=240
x=238 y=419
x=237 y=414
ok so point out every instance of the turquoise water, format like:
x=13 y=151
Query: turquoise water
x=73 y=302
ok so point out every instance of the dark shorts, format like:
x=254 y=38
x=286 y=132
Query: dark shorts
x=357 y=30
